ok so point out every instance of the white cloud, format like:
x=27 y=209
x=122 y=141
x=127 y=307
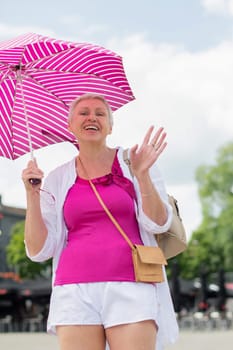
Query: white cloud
x=224 y=7
x=9 y=32
x=76 y=21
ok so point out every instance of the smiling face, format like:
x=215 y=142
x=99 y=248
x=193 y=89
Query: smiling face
x=90 y=120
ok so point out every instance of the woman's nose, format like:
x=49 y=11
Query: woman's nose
x=92 y=117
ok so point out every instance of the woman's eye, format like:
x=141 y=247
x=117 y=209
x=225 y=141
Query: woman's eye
x=100 y=114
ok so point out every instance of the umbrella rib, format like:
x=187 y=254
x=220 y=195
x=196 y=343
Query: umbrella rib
x=4 y=76
x=19 y=80
x=7 y=74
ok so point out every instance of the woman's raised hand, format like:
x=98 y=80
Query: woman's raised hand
x=144 y=156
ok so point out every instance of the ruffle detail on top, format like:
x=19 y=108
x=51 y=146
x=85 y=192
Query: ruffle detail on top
x=116 y=176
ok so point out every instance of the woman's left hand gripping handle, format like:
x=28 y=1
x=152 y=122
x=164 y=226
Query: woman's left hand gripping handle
x=32 y=175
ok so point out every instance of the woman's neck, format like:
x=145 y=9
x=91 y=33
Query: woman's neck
x=97 y=161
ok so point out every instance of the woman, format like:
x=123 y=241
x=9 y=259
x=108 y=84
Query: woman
x=95 y=298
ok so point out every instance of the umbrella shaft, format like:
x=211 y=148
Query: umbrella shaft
x=19 y=78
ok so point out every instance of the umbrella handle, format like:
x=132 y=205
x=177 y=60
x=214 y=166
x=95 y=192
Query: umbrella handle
x=35 y=182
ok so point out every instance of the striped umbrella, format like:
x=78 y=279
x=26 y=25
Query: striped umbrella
x=40 y=77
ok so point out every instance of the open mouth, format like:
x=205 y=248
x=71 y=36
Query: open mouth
x=91 y=127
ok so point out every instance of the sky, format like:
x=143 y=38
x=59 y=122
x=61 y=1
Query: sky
x=178 y=58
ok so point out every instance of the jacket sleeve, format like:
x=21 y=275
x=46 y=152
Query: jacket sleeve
x=144 y=221
x=48 y=199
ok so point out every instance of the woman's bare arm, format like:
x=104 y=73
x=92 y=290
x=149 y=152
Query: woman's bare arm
x=35 y=230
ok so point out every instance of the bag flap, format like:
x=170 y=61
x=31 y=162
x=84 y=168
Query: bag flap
x=151 y=255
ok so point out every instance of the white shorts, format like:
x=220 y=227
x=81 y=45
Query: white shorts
x=103 y=303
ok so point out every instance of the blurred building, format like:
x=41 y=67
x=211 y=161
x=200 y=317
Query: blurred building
x=9 y=216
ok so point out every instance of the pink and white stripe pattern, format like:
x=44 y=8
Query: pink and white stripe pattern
x=40 y=76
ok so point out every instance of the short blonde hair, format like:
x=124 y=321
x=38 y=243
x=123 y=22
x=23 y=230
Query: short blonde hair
x=88 y=96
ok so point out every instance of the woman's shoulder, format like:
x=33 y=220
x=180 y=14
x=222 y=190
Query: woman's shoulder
x=64 y=171
x=63 y=167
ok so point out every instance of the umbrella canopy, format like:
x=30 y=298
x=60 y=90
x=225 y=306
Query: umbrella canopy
x=40 y=77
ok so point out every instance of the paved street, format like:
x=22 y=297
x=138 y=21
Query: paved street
x=214 y=340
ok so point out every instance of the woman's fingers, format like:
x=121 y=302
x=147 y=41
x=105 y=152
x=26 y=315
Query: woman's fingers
x=158 y=150
x=147 y=137
x=32 y=172
x=158 y=137
x=143 y=157
x=154 y=142
x=133 y=150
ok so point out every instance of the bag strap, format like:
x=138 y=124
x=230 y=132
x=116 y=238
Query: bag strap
x=111 y=217
x=127 y=161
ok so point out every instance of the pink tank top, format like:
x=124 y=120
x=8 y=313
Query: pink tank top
x=95 y=250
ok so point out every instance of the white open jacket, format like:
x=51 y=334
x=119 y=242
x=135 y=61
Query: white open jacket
x=58 y=182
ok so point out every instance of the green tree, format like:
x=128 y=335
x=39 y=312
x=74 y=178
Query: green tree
x=211 y=245
x=17 y=259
